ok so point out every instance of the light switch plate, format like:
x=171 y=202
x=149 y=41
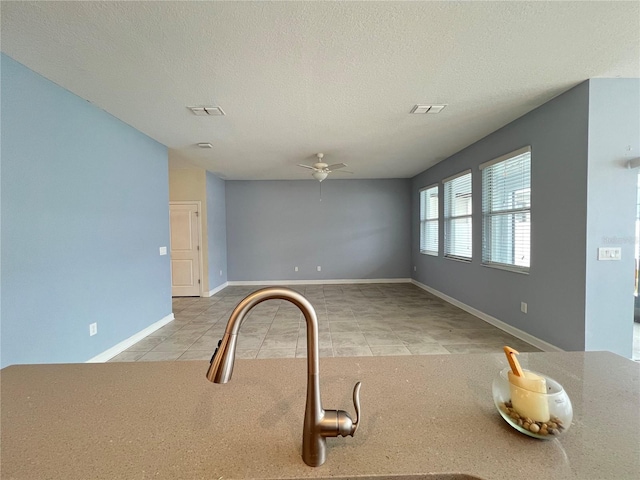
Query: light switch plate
x=609 y=253
x=163 y=250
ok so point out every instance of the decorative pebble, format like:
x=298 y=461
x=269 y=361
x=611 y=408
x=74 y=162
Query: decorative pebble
x=552 y=427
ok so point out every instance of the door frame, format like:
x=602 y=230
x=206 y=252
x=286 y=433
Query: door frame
x=198 y=205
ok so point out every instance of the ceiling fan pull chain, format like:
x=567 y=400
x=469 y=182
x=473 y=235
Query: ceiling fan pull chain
x=320 y=191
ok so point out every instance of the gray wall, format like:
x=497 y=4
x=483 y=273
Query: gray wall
x=614 y=127
x=555 y=287
x=360 y=229
x=84 y=211
x=217 y=230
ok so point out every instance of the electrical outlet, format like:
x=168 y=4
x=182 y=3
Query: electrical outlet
x=93 y=329
x=523 y=307
x=319 y=268
x=415 y=269
x=220 y=272
x=295 y=269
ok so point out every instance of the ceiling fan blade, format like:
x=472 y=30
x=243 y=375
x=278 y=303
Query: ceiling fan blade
x=336 y=166
x=342 y=171
x=306 y=166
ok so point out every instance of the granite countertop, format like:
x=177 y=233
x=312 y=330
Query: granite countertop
x=421 y=414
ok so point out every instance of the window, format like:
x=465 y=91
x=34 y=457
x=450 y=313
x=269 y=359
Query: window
x=506 y=211
x=457 y=216
x=429 y=220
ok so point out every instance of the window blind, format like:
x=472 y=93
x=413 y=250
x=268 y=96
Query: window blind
x=429 y=220
x=457 y=216
x=506 y=211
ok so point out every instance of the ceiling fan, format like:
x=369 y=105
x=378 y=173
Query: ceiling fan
x=321 y=170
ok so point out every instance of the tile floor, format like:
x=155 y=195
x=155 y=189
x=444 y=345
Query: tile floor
x=354 y=320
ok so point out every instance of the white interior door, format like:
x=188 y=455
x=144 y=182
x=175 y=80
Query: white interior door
x=185 y=250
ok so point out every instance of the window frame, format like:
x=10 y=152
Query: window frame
x=425 y=220
x=448 y=219
x=487 y=216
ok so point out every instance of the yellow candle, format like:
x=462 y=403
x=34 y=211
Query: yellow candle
x=528 y=396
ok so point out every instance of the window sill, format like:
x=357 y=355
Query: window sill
x=506 y=268
x=427 y=252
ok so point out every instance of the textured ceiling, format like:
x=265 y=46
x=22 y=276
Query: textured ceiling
x=296 y=78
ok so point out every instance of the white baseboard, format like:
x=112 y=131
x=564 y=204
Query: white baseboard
x=320 y=282
x=123 y=345
x=516 y=332
x=211 y=293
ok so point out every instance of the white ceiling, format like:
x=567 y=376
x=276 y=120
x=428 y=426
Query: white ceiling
x=297 y=78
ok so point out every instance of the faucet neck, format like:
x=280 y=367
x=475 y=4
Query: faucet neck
x=225 y=356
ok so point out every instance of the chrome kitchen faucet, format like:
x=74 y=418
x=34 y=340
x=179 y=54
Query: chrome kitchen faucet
x=318 y=423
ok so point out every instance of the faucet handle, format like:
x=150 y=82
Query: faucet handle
x=356 y=405
x=344 y=425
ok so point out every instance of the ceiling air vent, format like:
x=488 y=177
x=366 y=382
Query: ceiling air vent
x=427 y=109
x=207 y=111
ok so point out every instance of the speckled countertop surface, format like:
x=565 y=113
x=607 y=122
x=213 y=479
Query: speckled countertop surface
x=421 y=414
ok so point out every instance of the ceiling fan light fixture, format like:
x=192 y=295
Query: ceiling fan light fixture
x=320 y=176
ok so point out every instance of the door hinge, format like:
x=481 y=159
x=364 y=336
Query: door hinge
x=197 y=213
x=198 y=247
x=198 y=280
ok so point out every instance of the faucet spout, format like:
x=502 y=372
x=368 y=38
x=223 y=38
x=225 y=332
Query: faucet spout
x=318 y=423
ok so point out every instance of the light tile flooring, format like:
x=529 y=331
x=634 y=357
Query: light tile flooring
x=354 y=320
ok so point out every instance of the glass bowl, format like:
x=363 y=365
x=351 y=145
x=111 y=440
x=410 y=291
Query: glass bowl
x=539 y=415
